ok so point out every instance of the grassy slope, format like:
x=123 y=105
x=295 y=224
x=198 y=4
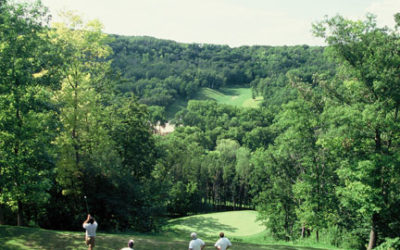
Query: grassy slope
x=236 y=223
x=240 y=227
x=240 y=97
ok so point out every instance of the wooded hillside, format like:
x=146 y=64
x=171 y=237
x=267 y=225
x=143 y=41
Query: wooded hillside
x=159 y=71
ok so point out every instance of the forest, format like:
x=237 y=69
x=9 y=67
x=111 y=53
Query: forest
x=160 y=71
x=320 y=156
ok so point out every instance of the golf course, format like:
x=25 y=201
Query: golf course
x=109 y=135
x=236 y=96
x=240 y=227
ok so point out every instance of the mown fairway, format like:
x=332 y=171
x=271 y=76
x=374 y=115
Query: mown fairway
x=240 y=97
x=236 y=225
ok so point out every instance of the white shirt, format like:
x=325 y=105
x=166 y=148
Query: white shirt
x=223 y=243
x=196 y=244
x=90 y=229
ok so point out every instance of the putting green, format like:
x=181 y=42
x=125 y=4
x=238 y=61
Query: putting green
x=235 y=223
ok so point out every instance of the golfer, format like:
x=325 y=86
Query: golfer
x=223 y=243
x=196 y=243
x=90 y=225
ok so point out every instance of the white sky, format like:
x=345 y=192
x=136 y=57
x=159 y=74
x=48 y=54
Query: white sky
x=231 y=22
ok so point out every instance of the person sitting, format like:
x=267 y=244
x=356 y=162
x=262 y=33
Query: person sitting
x=130 y=245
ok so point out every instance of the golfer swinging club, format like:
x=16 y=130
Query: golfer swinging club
x=90 y=225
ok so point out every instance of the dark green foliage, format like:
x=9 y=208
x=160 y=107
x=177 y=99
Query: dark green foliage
x=208 y=159
x=65 y=133
x=160 y=71
x=27 y=112
x=361 y=138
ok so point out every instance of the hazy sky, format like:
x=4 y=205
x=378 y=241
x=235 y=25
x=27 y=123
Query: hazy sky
x=231 y=22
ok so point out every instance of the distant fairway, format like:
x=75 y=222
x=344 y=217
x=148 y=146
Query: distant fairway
x=236 y=223
x=240 y=97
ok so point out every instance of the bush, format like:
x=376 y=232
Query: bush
x=389 y=244
x=354 y=239
x=343 y=238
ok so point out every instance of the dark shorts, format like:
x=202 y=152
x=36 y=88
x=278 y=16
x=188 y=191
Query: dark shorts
x=90 y=241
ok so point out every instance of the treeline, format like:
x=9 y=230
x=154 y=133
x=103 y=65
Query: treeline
x=206 y=162
x=159 y=71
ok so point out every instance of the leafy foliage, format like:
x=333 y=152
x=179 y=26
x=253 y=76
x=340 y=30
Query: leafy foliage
x=27 y=112
x=161 y=71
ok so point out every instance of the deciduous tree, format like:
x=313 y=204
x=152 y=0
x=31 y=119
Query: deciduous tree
x=27 y=111
x=363 y=135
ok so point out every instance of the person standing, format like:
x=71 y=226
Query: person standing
x=196 y=243
x=223 y=243
x=90 y=225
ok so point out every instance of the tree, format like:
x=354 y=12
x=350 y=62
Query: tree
x=271 y=184
x=243 y=170
x=143 y=200
x=363 y=117
x=27 y=112
x=84 y=144
x=227 y=149
x=182 y=161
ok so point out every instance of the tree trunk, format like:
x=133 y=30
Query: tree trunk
x=20 y=218
x=2 y=222
x=302 y=231
x=286 y=226
x=372 y=234
x=317 y=235
x=372 y=239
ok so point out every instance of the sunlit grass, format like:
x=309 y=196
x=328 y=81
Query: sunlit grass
x=240 y=226
x=239 y=97
x=235 y=223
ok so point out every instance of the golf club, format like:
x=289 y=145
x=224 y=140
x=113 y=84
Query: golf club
x=87 y=207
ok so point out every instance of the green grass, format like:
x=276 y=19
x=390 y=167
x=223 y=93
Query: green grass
x=240 y=227
x=240 y=97
x=236 y=223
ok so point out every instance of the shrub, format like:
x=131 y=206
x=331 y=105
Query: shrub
x=389 y=244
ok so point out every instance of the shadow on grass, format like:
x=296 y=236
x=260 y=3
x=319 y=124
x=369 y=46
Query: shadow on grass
x=33 y=238
x=203 y=225
x=229 y=91
x=202 y=96
x=243 y=246
x=13 y=238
